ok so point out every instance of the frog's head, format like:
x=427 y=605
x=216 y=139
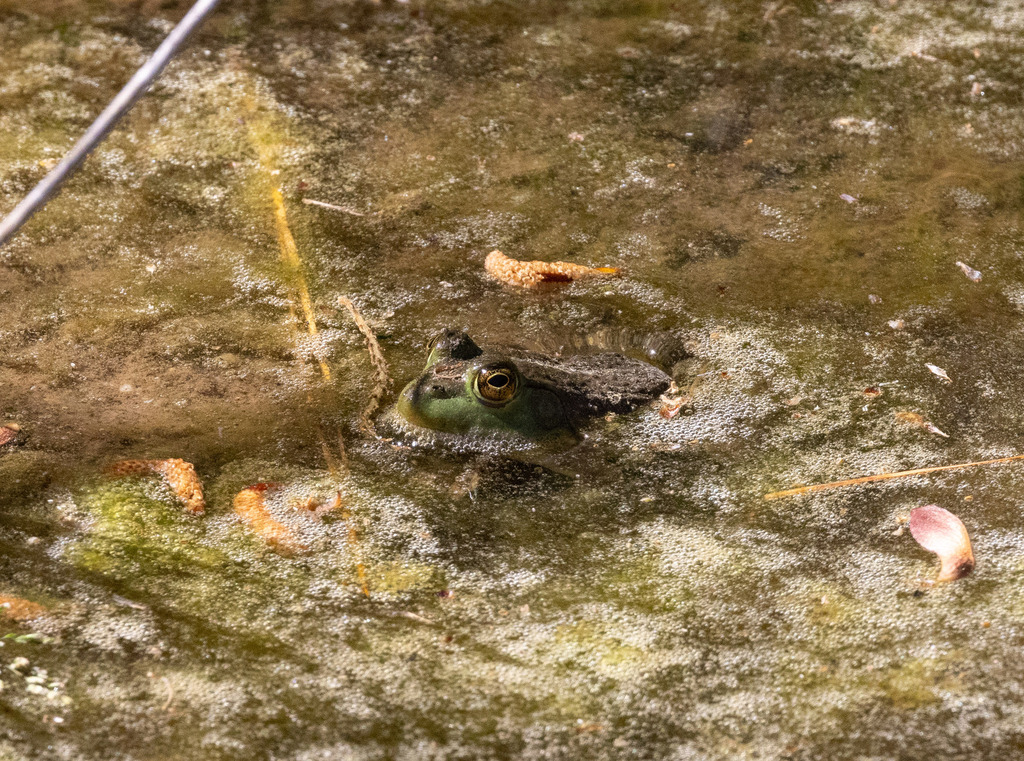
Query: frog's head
x=465 y=390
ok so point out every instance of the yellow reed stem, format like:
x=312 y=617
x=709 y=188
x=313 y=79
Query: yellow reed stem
x=886 y=477
x=265 y=147
x=290 y=256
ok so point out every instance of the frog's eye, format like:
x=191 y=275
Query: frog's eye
x=497 y=384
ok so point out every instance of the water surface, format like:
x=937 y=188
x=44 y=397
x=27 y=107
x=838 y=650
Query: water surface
x=788 y=188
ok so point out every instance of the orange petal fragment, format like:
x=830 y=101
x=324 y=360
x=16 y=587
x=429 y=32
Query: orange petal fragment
x=669 y=410
x=672 y=402
x=179 y=475
x=17 y=609
x=8 y=433
x=941 y=532
x=250 y=505
x=532 y=274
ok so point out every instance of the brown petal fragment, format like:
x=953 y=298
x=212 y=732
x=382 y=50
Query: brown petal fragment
x=17 y=609
x=251 y=507
x=179 y=475
x=533 y=274
x=941 y=532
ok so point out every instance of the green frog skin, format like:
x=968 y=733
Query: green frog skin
x=466 y=389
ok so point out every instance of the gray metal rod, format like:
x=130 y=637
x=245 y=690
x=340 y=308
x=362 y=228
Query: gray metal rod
x=105 y=122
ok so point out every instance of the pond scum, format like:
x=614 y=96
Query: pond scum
x=820 y=199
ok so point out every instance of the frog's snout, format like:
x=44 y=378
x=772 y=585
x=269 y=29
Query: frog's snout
x=417 y=395
x=423 y=388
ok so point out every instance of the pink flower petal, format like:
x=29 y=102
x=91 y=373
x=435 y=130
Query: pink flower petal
x=941 y=532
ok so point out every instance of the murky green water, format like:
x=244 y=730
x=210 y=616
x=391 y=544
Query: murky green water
x=781 y=182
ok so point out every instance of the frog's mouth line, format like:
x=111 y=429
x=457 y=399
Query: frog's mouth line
x=396 y=425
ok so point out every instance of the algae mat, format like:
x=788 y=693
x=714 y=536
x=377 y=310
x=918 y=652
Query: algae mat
x=787 y=187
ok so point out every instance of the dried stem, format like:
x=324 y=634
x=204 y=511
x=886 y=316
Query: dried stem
x=886 y=477
x=333 y=207
x=381 y=380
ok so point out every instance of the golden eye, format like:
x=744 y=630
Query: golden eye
x=496 y=384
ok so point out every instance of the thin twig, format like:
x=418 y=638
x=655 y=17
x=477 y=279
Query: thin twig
x=170 y=692
x=887 y=476
x=414 y=617
x=333 y=207
x=381 y=380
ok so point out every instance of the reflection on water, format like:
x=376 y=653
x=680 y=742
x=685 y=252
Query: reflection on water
x=788 y=188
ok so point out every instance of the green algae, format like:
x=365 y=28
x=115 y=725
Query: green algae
x=912 y=684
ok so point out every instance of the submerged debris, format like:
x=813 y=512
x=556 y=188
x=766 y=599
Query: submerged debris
x=250 y=505
x=179 y=475
x=941 y=532
x=532 y=274
x=972 y=274
x=913 y=418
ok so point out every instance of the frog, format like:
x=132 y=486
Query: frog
x=465 y=389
